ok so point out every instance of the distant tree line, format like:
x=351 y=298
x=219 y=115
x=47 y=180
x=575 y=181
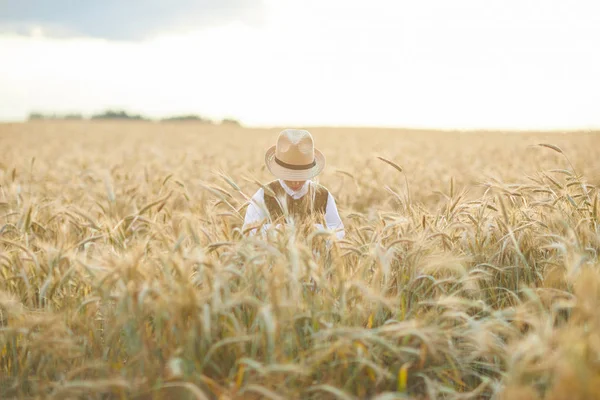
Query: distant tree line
x=110 y=114
x=36 y=116
x=122 y=115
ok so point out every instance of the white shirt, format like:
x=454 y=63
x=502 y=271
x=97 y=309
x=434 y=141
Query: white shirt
x=258 y=212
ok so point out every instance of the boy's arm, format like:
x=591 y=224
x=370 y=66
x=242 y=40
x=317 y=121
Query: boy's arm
x=332 y=218
x=256 y=212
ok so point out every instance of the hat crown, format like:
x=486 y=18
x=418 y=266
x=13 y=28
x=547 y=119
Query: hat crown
x=295 y=147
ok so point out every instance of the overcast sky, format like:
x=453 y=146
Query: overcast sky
x=428 y=63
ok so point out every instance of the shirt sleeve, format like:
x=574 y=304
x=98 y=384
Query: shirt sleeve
x=332 y=218
x=256 y=212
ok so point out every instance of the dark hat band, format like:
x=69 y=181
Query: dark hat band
x=295 y=166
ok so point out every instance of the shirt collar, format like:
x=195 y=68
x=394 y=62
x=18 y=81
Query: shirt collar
x=295 y=194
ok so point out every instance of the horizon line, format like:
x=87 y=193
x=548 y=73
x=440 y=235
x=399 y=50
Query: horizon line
x=243 y=125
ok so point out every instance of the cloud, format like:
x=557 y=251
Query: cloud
x=121 y=19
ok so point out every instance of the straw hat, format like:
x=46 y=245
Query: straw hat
x=294 y=157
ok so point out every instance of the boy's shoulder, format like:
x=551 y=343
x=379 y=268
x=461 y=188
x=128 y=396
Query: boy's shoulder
x=319 y=187
x=274 y=188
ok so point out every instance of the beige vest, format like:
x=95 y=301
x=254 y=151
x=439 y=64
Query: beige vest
x=312 y=204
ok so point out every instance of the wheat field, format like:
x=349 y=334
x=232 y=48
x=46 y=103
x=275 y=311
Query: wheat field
x=469 y=269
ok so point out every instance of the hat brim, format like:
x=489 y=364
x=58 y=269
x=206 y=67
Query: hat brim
x=293 y=174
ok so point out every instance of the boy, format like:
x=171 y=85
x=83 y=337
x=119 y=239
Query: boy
x=293 y=196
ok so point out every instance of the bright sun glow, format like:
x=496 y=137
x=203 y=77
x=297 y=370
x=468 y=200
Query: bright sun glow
x=461 y=64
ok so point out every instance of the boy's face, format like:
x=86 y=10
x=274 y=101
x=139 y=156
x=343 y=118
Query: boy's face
x=295 y=185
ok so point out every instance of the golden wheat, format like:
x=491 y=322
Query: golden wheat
x=469 y=268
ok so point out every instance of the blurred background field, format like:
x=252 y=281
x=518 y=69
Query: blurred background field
x=471 y=273
x=194 y=153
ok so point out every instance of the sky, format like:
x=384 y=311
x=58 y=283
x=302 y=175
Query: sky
x=460 y=64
